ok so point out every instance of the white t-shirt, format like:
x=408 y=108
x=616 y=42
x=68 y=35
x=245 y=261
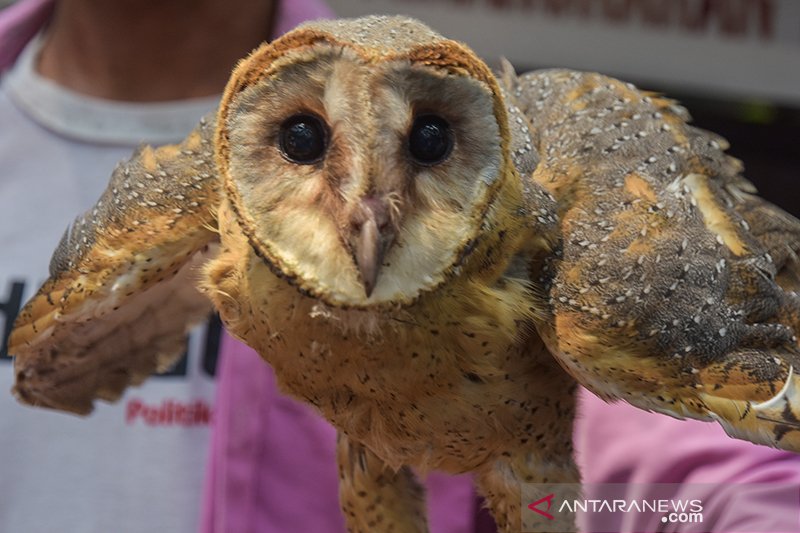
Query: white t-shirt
x=135 y=466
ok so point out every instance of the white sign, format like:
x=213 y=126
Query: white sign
x=746 y=49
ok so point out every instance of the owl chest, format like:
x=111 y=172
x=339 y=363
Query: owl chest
x=422 y=390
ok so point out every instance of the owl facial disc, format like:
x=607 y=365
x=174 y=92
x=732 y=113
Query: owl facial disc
x=361 y=165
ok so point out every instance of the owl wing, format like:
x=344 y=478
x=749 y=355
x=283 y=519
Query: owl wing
x=673 y=286
x=121 y=293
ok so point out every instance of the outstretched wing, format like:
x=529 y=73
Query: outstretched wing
x=121 y=293
x=672 y=289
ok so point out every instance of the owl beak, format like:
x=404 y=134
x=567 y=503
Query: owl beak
x=371 y=236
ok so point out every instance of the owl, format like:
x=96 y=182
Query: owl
x=434 y=256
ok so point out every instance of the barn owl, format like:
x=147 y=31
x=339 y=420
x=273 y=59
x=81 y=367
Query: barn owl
x=434 y=257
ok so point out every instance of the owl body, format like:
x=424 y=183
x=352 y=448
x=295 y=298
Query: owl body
x=383 y=376
x=434 y=257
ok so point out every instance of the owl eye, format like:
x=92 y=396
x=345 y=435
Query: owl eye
x=430 y=140
x=303 y=139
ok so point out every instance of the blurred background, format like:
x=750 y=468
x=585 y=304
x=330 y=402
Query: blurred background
x=735 y=64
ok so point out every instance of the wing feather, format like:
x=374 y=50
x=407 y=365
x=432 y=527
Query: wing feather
x=121 y=293
x=673 y=289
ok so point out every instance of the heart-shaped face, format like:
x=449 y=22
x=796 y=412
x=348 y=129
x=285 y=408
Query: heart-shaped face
x=361 y=157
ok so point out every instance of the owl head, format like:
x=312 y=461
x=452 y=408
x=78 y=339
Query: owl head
x=361 y=157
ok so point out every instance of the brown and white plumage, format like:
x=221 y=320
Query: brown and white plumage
x=418 y=247
x=665 y=292
x=121 y=294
